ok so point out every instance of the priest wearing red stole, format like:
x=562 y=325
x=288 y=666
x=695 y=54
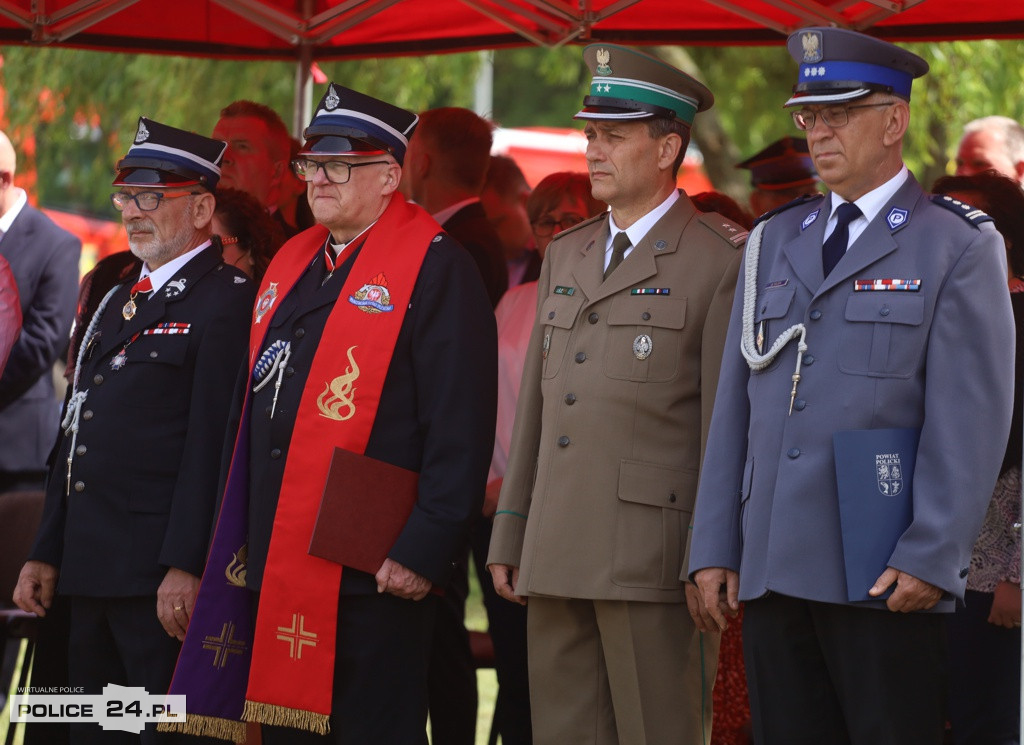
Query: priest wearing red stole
x=372 y=333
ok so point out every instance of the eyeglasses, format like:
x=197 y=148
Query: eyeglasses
x=147 y=201
x=833 y=116
x=546 y=226
x=337 y=171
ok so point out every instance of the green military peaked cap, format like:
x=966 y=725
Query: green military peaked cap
x=632 y=85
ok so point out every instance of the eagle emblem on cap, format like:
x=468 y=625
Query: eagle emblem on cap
x=332 y=100
x=603 y=58
x=143 y=134
x=811 y=42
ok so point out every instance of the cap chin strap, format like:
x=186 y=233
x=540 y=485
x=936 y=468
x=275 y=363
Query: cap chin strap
x=755 y=360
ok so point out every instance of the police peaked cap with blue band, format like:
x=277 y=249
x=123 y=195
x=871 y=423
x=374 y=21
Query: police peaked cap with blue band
x=348 y=122
x=838 y=65
x=632 y=85
x=164 y=156
x=785 y=164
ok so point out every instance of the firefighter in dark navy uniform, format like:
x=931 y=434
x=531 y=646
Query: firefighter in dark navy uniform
x=131 y=494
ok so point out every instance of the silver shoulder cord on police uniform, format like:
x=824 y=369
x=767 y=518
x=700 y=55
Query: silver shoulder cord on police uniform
x=73 y=415
x=748 y=346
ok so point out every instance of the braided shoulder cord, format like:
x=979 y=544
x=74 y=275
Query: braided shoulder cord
x=755 y=360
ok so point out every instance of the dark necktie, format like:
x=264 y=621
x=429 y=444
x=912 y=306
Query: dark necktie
x=834 y=248
x=619 y=245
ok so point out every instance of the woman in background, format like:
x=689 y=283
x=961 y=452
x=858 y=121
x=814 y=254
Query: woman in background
x=249 y=237
x=984 y=636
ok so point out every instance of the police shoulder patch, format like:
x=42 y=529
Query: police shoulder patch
x=735 y=234
x=971 y=214
x=795 y=203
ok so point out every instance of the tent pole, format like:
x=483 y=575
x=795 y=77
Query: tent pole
x=483 y=88
x=302 y=108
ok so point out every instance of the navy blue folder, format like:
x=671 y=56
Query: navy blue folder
x=874 y=475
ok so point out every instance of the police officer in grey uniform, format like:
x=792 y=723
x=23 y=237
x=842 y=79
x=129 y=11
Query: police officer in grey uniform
x=870 y=308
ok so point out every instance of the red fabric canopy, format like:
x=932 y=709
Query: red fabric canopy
x=338 y=29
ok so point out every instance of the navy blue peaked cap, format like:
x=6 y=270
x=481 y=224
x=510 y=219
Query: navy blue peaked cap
x=162 y=155
x=838 y=65
x=348 y=122
x=785 y=164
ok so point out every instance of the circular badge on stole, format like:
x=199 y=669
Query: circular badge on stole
x=642 y=346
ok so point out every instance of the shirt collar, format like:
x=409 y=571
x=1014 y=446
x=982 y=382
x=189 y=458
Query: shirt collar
x=447 y=213
x=8 y=218
x=160 y=277
x=872 y=203
x=642 y=227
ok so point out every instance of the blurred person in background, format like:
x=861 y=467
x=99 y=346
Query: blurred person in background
x=780 y=173
x=248 y=236
x=258 y=155
x=504 y=198
x=560 y=201
x=984 y=633
x=992 y=143
x=10 y=312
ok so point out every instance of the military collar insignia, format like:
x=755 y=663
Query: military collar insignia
x=809 y=220
x=896 y=218
x=174 y=288
x=266 y=301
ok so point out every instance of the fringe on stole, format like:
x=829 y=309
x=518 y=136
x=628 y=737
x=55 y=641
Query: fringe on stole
x=207 y=726
x=282 y=716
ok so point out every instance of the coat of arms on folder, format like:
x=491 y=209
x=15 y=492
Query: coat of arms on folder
x=875 y=482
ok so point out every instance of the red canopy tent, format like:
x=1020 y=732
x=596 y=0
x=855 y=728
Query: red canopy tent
x=337 y=29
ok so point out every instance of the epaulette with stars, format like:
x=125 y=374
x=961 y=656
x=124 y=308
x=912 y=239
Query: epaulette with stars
x=723 y=226
x=971 y=214
x=798 y=201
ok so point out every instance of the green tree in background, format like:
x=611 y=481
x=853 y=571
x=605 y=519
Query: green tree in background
x=72 y=113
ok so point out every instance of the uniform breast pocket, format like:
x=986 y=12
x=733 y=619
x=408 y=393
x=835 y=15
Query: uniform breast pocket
x=155 y=362
x=644 y=338
x=770 y=321
x=652 y=524
x=883 y=335
x=557 y=316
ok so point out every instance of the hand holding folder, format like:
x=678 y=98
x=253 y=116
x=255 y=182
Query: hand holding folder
x=365 y=506
x=875 y=482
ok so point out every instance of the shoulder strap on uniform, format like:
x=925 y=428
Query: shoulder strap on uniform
x=732 y=232
x=971 y=214
x=798 y=201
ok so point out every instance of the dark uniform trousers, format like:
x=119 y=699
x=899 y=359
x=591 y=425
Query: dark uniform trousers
x=806 y=656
